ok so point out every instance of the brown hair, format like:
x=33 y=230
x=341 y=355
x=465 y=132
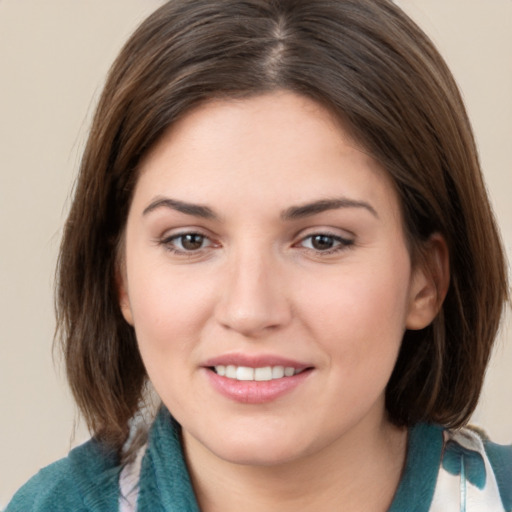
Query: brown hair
x=373 y=68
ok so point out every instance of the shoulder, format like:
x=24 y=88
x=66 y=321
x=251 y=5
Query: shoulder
x=484 y=466
x=500 y=458
x=86 y=480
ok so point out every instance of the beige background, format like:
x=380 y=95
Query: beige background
x=53 y=58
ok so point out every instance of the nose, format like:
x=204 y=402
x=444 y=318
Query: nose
x=253 y=301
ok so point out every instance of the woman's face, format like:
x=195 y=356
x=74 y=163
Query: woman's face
x=268 y=279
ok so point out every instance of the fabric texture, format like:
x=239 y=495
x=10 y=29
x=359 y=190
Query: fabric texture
x=85 y=481
x=445 y=471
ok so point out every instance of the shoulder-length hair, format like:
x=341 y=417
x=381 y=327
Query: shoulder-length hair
x=374 y=69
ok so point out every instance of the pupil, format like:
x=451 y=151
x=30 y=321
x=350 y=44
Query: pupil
x=192 y=241
x=322 y=242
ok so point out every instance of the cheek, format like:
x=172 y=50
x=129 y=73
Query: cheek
x=360 y=315
x=350 y=300
x=168 y=309
x=168 y=316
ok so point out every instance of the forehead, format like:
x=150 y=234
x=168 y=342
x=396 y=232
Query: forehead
x=280 y=147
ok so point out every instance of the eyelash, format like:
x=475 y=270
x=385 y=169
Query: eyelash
x=341 y=243
x=169 y=242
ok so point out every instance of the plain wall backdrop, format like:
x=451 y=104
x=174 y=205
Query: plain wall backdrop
x=53 y=59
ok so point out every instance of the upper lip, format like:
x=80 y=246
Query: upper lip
x=254 y=361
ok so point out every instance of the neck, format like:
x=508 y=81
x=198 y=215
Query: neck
x=360 y=471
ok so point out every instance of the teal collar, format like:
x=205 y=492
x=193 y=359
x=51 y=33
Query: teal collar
x=424 y=452
x=164 y=484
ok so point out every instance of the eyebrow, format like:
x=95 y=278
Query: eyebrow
x=196 y=210
x=292 y=213
x=309 y=209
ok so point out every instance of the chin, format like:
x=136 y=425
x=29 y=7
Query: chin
x=258 y=446
x=257 y=454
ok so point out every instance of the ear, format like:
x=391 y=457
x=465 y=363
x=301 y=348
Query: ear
x=122 y=293
x=429 y=283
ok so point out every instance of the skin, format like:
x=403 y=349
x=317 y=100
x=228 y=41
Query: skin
x=256 y=283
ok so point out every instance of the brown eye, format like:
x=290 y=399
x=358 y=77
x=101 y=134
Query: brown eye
x=186 y=243
x=191 y=241
x=322 y=242
x=325 y=243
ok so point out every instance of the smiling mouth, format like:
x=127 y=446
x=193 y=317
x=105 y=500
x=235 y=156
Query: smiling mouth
x=260 y=374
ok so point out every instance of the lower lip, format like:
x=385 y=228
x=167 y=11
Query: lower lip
x=255 y=392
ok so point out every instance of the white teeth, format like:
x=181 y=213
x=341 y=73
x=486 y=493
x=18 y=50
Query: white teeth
x=288 y=371
x=231 y=372
x=278 y=372
x=257 y=374
x=263 y=373
x=244 y=373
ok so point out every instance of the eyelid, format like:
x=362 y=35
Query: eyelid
x=184 y=233
x=166 y=240
x=343 y=242
x=340 y=233
x=176 y=232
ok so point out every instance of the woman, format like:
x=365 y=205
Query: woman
x=280 y=226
